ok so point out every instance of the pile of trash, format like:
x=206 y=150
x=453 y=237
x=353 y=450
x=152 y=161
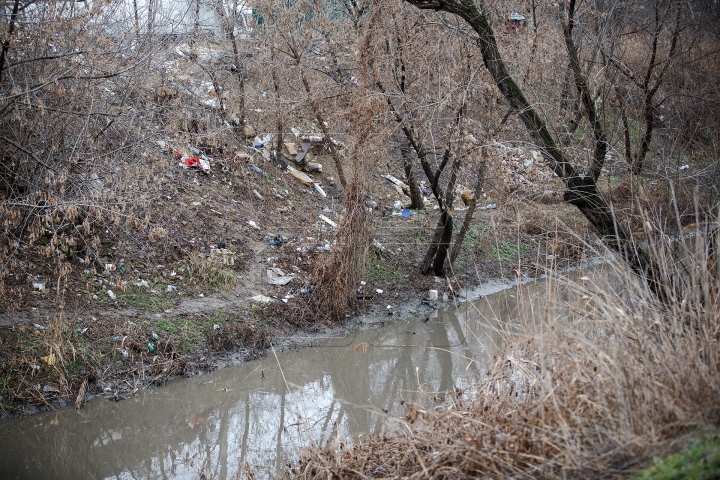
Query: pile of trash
x=519 y=168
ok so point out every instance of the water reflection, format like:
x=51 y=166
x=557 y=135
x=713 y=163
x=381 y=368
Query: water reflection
x=260 y=412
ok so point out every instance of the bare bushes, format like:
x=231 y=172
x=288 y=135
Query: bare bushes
x=338 y=276
x=606 y=382
x=70 y=119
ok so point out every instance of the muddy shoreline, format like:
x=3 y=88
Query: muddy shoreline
x=241 y=332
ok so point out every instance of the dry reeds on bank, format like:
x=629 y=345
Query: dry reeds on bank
x=595 y=392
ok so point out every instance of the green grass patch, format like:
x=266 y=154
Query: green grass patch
x=473 y=235
x=378 y=269
x=75 y=368
x=189 y=332
x=698 y=461
x=508 y=252
x=147 y=302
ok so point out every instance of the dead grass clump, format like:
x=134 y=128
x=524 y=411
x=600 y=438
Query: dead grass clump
x=211 y=272
x=237 y=335
x=337 y=276
x=599 y=388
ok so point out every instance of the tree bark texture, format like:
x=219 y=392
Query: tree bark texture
x=416 y=197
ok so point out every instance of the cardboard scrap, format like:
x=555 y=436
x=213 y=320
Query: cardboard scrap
x=300 y=176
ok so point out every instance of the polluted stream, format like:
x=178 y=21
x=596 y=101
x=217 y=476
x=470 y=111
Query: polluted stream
x=262 y=412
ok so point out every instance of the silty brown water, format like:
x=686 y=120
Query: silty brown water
x=261 y=412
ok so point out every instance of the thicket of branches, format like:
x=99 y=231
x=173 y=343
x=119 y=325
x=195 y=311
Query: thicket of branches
x=86 y=88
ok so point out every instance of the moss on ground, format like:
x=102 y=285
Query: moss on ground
x=700 y=460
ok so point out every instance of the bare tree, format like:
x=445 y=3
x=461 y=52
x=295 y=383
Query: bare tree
x=581 y=189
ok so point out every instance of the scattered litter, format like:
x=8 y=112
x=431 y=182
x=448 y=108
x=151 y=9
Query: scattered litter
x=433 y=295
x=313 y=167
x=303 y=151
x=362 y=282
x=262 y=142
x=257 y=194
x=111 y=295
x=313 y=138
x=379 y=290
x=277 y=240
x=151 y=347
x=39 y=327
x=256 y=170
x=35 y=366
x=328 y=221
x=81 y=331
x=143 y=283
x=226 y=257
x=492 y=206
x=295 y=132
x=199 y=162
x=378 y=245
x=49 y=360
x=406 y=213
x=300 y=176
x=109 y=267
x=276 y=276
x=685 y=167
x=50 y=389
x=39 y=285
x=396 y=181
x=319 y=189
x=262 y=299
x=253 y=224
x=154 y=336
x=170 y=288
x=291 y=148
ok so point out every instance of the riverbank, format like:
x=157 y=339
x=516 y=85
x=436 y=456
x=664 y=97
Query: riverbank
x=60 y=347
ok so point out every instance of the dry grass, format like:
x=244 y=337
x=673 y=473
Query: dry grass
x=210 y=272
x=606 y=382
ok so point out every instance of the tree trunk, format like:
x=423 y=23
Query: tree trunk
x=581 y=191
x=416 y=197
x=470 y=212
x=8 y=38
x=437 y=251
x=439 y=262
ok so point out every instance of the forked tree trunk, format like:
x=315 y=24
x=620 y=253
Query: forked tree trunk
x=581 y=190
x=437 y=251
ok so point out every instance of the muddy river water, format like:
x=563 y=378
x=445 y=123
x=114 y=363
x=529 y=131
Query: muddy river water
x=260 y=412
